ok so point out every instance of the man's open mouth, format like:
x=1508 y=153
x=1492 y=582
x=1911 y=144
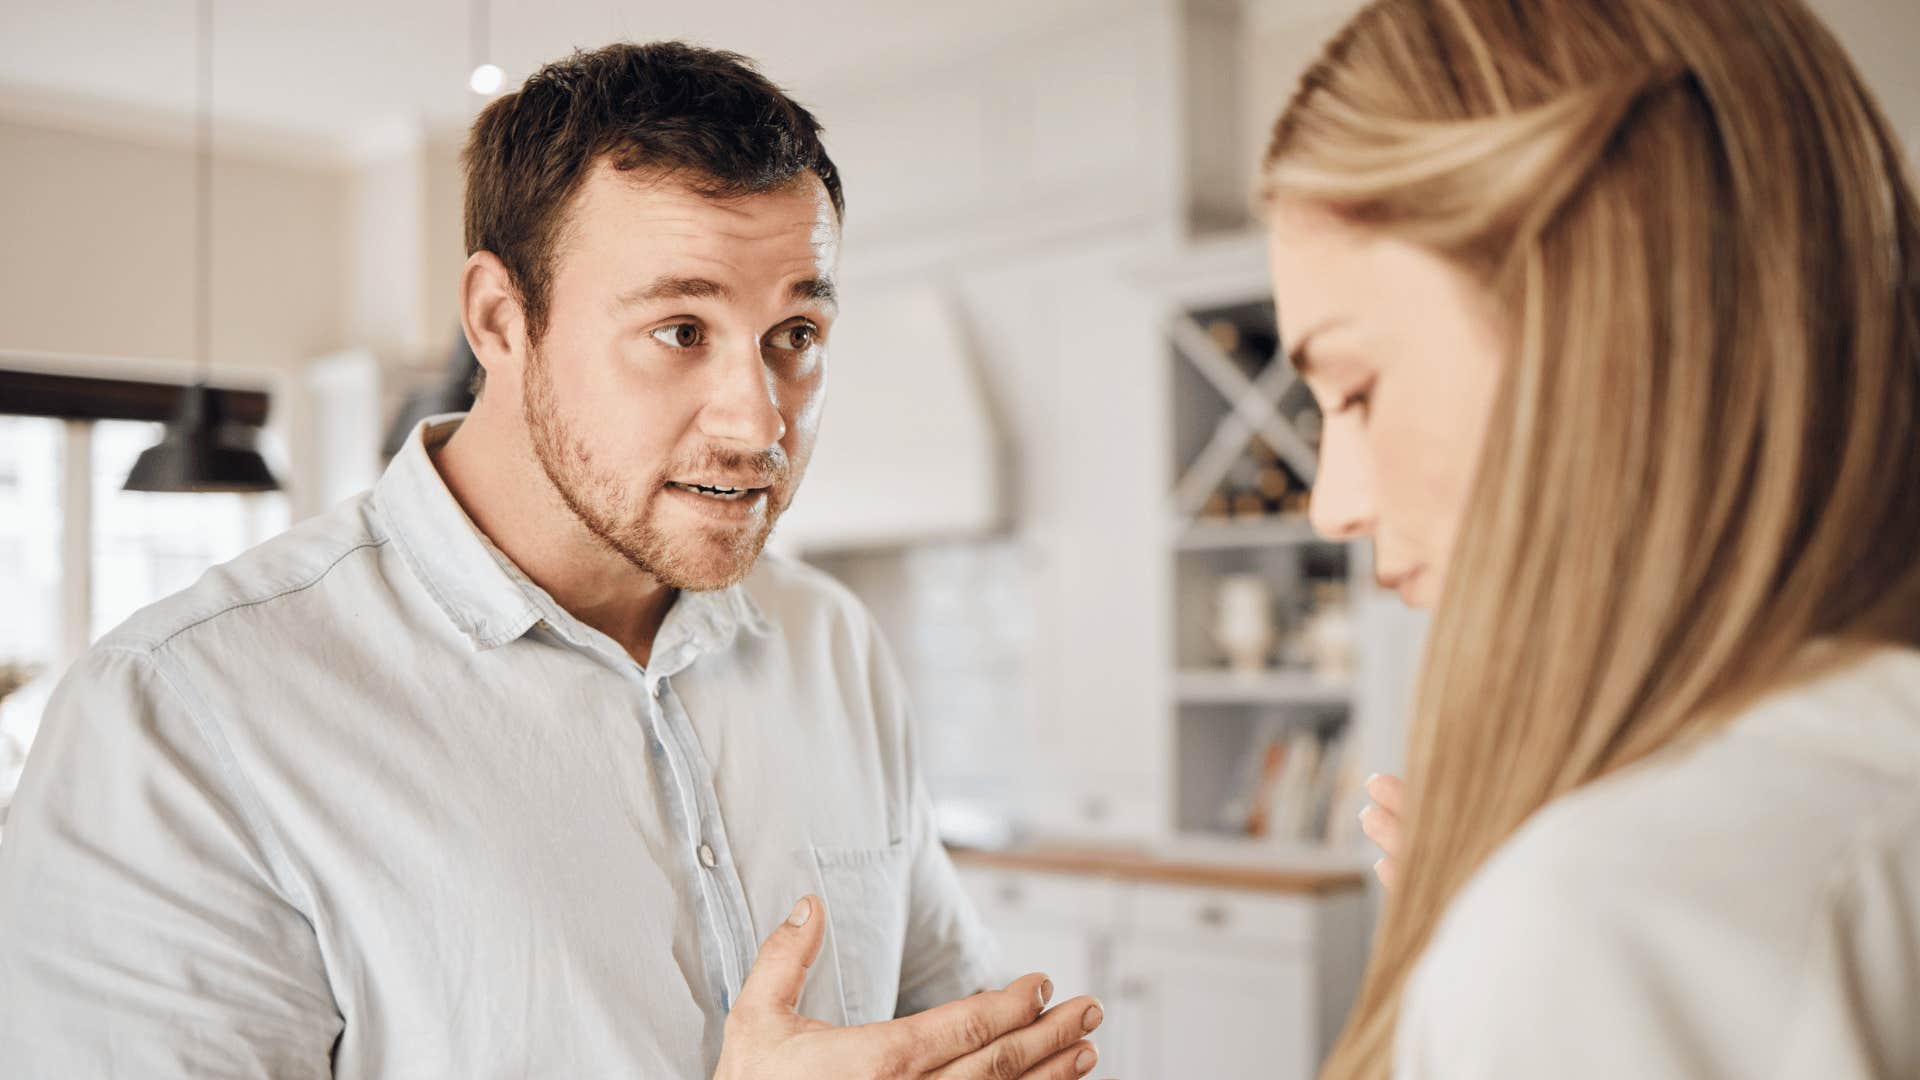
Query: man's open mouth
x=725 y=494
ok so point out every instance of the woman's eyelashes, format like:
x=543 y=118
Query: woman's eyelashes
x=1356 y=399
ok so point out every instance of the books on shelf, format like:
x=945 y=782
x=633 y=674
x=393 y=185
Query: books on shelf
x=1290 y=787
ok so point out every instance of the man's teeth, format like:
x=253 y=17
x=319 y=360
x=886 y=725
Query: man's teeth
x=713 y=492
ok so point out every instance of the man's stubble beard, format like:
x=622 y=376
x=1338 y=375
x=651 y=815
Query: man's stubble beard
x=610 y=512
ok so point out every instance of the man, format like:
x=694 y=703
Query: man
x=503 y=768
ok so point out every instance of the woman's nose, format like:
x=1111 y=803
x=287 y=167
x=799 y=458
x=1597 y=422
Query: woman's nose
x=1341 y=505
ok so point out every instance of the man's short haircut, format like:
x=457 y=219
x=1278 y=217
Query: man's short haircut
x=704 y=117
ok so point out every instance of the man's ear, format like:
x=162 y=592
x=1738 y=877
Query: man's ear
x=491 y=315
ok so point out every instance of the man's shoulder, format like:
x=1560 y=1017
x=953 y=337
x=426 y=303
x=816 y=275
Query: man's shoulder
x=250 y=585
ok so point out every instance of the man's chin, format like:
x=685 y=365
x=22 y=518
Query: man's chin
x=708 y=560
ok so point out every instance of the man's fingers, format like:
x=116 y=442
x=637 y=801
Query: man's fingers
x=1031 y=1051
x=1075 y=1061
x=780 y=971
x=1388 y=791
x=958 y=1028
x=1382 y=827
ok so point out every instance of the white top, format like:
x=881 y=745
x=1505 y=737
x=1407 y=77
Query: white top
x=365 y=802
x=1746 y=908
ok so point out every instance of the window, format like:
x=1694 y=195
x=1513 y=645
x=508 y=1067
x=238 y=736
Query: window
x=146 y=545
x=31 y=529
x=78 y=555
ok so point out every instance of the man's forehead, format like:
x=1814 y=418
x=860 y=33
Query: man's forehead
x=624 y=214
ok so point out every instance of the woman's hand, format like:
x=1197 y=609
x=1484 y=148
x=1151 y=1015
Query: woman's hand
x=993 y=1035
x=1381 y=822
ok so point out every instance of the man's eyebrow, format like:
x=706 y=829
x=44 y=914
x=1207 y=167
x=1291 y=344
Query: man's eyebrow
x=668 y=287
x=820 y=290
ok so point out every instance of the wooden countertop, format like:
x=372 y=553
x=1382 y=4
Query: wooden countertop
x=1218 y=869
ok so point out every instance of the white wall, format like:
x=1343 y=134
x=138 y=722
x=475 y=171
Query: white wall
x=98 y=234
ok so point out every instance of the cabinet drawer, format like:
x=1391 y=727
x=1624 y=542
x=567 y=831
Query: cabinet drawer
x=1199 y=914
x=1024 y=896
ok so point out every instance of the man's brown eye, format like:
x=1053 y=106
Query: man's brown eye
x=678 y=336
x=799 y=337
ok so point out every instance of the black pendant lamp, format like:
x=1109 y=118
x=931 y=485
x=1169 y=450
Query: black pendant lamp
x=202 y=450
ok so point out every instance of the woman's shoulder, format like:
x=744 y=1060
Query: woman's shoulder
x=1680 y=910
x=1796 y=778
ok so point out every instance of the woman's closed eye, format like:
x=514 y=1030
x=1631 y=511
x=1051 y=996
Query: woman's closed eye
x=1357 y=399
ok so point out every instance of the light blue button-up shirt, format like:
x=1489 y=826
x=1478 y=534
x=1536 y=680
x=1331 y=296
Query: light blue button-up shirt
x=366 y=802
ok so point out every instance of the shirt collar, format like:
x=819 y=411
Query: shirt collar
x=491 y=600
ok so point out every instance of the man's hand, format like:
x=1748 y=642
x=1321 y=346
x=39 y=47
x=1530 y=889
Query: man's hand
x=993 y=1035
x=1381 y=822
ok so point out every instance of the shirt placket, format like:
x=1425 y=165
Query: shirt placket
x=697 y=814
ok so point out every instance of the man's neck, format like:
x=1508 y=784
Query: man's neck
x=489 y=466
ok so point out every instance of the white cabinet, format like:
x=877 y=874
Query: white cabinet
x=1211 y=1010
x=1198 y=981
x=1054 y=923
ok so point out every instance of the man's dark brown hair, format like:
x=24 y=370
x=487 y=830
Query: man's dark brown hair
x=706 y=117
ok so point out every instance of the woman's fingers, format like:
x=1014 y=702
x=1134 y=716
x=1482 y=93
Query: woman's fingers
x=1386 y=791
x=1381 y=823
x=1387 y=871
x=1383 y=828
x=1034 y=1051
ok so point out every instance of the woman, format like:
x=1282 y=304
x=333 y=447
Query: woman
x=1614 y=313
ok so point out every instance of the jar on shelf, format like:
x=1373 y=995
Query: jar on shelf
x=1243 y=626
x=1326 y=634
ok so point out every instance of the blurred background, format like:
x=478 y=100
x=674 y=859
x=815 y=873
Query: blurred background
x=1058 y=462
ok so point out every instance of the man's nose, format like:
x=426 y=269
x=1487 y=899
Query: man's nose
x=743 y=405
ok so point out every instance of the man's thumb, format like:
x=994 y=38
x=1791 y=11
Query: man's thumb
x=780 y=971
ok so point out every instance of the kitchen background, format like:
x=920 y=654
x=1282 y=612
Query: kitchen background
x=1057 y=463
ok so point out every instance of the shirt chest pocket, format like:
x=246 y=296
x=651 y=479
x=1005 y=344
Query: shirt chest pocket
x=866 y=894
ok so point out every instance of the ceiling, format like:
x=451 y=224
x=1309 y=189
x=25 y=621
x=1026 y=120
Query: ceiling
x=327 y=78
x=334 y=72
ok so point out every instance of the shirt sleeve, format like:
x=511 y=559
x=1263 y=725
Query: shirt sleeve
x=949 y=952
x=147 y=926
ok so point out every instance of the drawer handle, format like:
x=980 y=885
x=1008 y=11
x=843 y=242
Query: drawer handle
x=1215 y=915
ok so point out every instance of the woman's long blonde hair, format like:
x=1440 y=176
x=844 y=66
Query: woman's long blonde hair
x=1705 y=452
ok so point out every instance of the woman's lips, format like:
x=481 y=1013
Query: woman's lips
x=1400 y=581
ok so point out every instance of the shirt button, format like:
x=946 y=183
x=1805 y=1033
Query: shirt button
x=707 y=858
x=657 y=688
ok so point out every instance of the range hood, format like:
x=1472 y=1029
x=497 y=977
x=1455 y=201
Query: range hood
x=908 y=448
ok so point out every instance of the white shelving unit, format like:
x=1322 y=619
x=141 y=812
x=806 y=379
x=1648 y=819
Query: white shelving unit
x=1206 y=686
x=1217 y=404
x=1221 y=535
